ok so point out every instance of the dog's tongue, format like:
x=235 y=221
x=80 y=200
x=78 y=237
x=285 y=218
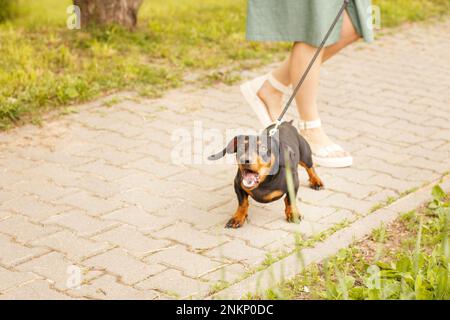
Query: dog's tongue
x=249 y=179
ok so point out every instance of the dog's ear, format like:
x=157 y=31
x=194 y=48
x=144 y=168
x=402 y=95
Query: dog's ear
x=230 y=148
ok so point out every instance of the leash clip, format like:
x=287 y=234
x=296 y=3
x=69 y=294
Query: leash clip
x=274 y=129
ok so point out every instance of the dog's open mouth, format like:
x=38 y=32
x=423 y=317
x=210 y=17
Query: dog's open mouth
x=250 y=178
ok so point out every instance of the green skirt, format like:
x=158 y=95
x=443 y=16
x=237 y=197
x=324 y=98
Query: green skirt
x=304 y=20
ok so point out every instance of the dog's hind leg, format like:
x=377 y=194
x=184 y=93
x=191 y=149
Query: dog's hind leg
x=306 y=162
x=314 y=181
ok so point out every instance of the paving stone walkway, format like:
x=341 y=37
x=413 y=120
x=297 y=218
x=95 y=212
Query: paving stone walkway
x=91 y=205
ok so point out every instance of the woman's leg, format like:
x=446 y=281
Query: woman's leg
x=306 y=99
x=348 y=36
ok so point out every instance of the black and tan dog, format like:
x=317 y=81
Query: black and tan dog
x=262 y=162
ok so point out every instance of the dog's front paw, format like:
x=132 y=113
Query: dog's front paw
x=234 y=223
x=294 y=219
x=293 y=216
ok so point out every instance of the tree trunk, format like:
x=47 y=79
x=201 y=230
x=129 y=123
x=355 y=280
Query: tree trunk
x=105 y=12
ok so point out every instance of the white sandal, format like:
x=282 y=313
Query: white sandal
x=322 y=156
x=250 y=90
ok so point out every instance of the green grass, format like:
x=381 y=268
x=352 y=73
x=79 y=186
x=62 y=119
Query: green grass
x=6 y=10
x=396 y=12
x=43 y=65
x=408 y=259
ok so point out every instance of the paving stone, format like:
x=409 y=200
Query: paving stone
x=7 y=196
x=147 y=201
x=395 y=171
x=284 y=245
x=24 y=231
x=382 y=196
x=185 y=234
x=424 y=164
x=337 y=217
x=313 y=196
x=81 y=223
x=354 y=175
x=315 y=213
x=260 y=216
x=228 y=273
x=256 y=236
x=97 y=186
x=5 y=214
x=57 y=173
x=306 y=228
x=104 y=170
x=14 y=163
x=389 y=156
x=117 y=141
x=161 y=170
x=276 y=207
x=32 y=152
x=10 y=279
x=52 y=266
x=44 y=190
x=13 y=253
x=63 y=156
x=228 y=208
x=192 y=264
x=112 y=157
x=342 y=201
x=206 y=182
x=187 y=213
x=173 y=283
x=196 y=197
x=74 y=247
x=139 y=218
x=131 y=240
x=92 y=205
x=146 y=181
x=34 y=209
x=237 y=251
x=386 y=181
x=118 y=262
x=108 y=288
x=356 y=191
x=35 y=290
x=431 y=149
x=9 y=177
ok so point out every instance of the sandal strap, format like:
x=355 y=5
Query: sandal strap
x=304 y=125
x=278 y=85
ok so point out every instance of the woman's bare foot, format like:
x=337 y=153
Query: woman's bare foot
x=272 y=98
x=318 y=139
